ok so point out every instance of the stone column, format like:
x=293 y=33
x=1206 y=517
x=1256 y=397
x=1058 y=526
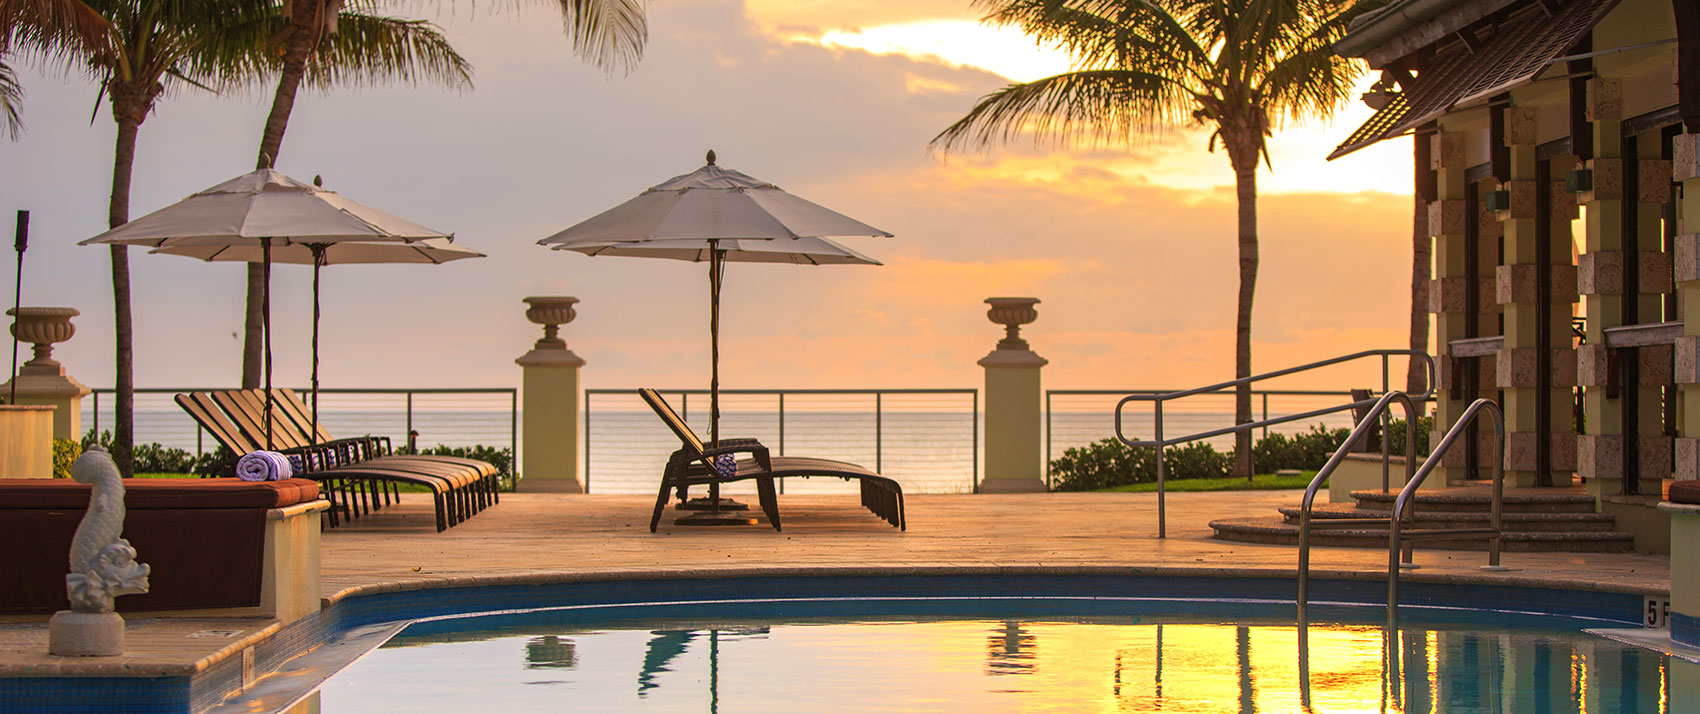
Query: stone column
x=1449 y=290
x=1014 y=404
x=1604 y=274
x=1686 y=170
x=1519 y=368
x=549 y=396
x=42 y=380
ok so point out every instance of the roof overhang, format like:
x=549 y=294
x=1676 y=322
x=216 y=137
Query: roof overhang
x=1517 y=54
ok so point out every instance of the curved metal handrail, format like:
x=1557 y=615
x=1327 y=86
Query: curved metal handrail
x=1428 y=362
x=1158 y=399
x=1416 y=481
x=1358 y=433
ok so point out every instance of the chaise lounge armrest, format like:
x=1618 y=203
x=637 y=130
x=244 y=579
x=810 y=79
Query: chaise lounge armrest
x=753 y=447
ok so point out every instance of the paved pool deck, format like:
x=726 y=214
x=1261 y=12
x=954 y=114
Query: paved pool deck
x=537 y=537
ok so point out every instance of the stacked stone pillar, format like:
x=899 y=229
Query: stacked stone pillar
x=1520 y=373
x=1610 y=275
x=1449 y=298
x=1686 y=171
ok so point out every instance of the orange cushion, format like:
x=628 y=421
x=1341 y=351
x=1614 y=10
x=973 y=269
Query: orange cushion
x=1685 y=492
x=156 y=493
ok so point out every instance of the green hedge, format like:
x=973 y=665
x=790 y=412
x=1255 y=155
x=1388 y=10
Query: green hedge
x=1110 y=462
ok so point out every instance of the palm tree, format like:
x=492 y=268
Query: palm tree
x=607 y=33
x=1240 y=67
x=157 y=45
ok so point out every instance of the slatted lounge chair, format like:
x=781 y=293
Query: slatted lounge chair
x=298 y=419
x=354 y=471
x=692 y=465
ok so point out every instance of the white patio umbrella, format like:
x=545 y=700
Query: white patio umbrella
x=267 y=217
x=716 y=215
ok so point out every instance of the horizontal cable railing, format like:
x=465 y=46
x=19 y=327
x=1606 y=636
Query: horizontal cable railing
x=454 y=417
x=926 y=439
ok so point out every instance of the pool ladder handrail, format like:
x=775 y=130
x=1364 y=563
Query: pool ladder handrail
x=1160 y=442
x=1404 y=505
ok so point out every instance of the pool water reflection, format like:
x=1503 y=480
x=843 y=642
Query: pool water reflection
x=1092 y=664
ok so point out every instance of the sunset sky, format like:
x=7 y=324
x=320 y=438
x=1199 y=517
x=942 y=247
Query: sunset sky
x=1131 y=249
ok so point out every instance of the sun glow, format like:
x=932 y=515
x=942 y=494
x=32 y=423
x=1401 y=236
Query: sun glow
x=960 y=43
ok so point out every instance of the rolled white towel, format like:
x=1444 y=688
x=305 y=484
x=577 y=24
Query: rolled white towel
x=263 y=466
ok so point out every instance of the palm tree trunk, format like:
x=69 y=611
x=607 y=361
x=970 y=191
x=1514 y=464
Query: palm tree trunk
x=1243 y=155
x=129 y=108
x=297 y=50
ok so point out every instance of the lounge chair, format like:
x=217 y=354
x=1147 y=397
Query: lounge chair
x=354 y=471
x=692 y=465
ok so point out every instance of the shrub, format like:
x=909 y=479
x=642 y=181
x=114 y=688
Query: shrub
x=65 y=453
x=1396 y=436
x=1305 y=450
x=149 y=458
x=1112 y=463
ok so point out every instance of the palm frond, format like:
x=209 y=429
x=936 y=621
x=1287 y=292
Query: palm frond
x=366 y=50
x=51 y=21
x=371 y=50
x=1123 y=34
x=607 y=33
x=11 y=98
x=1085 y=106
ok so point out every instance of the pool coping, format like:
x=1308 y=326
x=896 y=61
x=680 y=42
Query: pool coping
x=245 y=661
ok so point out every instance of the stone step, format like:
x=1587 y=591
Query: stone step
x=1513 y=522
x=1275 y=530
x=1481 y=499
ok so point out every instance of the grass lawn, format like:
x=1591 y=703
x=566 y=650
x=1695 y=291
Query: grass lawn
x=1260 y=482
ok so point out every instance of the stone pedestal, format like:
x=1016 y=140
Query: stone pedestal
x=1684 y=572
x=85 y=634
x=549 y=396
x=1014 y=404
x=42 y=380
x=26 y=441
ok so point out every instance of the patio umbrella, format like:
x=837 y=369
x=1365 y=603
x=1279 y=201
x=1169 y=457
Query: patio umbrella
x=716 y=215
x=268 y=211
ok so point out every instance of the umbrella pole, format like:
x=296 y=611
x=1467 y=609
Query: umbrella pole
x=715 y=509
x=266 y=326
x=714 y=361
x=318 y=261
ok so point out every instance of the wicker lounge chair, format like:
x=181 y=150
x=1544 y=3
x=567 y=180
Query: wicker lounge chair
x=358 y=473
x=692 y=465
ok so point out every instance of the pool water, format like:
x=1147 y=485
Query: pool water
x=994 y=661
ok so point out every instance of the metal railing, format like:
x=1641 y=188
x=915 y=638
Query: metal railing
x=1359 y=432
x=1158 y=400
x=440 y=414
x=851 y=424
x=1400 y=553
x=1057 y=412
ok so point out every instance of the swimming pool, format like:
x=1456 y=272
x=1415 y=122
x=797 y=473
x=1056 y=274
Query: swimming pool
x=1051 y=604
x=1002 y=641
x=702 y=659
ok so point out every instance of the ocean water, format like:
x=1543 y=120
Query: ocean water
x=929 y=443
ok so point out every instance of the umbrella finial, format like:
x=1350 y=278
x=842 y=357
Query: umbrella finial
x=711 y=157
x=318 y=181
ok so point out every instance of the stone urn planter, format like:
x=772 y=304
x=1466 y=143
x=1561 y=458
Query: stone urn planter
x=551 y=313
x=1012 y=313
x=42 y=327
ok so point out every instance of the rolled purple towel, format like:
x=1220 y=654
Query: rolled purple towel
x=263 y=466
